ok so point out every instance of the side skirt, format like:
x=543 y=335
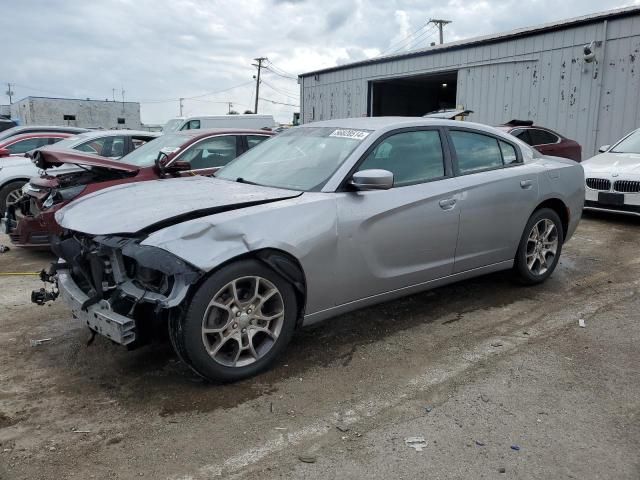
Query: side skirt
x=312 y=318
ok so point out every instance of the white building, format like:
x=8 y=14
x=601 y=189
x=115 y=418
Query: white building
x=76 y=112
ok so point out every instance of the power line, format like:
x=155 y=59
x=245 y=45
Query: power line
x=414 y=41
x=280 y=71
x=279 y=103
x=281 y=92
x=394 y=46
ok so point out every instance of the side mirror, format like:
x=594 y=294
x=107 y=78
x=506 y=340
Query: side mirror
x=604 y=148
x=4 y=152
x=372 y=180
x=177 y=166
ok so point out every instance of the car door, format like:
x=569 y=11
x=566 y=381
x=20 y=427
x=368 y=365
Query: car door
x=210 y=154
x=498 y=192
x=391 y=239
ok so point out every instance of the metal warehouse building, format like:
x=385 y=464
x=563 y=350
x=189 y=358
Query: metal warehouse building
x=539 y=73
x=76 y=112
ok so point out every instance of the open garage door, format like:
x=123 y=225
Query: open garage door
x=413 y=96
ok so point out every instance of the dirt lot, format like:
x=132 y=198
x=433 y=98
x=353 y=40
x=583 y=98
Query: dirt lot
x=475 y=368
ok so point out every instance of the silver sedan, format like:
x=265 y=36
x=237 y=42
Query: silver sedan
x=320 y=220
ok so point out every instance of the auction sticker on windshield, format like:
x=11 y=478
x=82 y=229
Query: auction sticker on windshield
x=354 y=134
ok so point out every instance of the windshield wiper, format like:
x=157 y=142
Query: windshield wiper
x=248 y=182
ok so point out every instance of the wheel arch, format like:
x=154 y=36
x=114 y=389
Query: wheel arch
x=11 y=180
x=560 y=208
x=283 y=263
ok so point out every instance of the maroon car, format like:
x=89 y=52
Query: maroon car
x=30 y=221
x=544 y=140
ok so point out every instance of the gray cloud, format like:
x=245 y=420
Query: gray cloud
x=160 y=50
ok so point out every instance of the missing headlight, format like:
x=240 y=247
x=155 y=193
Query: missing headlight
x=148 y=278
x=63 y=195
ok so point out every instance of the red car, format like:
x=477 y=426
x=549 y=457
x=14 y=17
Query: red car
x=30 y=221
x=25 y=142
x=544 y=140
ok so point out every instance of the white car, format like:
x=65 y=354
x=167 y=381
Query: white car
x=613 y=177
x=16 y=171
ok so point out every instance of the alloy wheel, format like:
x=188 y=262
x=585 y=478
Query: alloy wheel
x=243 y=321
x=14 y=195
x=542 y=246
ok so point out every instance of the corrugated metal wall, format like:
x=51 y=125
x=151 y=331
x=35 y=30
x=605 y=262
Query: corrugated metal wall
x=541 y=77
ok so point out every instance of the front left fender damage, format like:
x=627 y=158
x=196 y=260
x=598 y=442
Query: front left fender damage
x=118 y=287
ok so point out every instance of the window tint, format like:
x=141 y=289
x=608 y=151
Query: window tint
x=508 y=153
x=213 y=152
x=475 y=151
x=253 y=140
x=542 y=137
x=522 y=135
x=27 y=145
x=412 y=157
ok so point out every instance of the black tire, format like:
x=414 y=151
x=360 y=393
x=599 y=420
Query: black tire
x=186 y=332
x=6 y=190
x=523 y=273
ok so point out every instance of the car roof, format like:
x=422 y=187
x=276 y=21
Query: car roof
x=26 y=136
x=205 y=132
x=113 y=133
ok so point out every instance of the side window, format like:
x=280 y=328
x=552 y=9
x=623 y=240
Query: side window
x=112 y=147
x=94 y=146
x=53 y=140
x=475 y=151
x=210 y=153
x=522 y=135
x=412 y=157
x=509 y=155
x=542 y=137
x=253 y=140
x=191 y=125
x=27 y=145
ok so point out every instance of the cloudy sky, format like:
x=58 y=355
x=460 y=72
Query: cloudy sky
x=159 y=50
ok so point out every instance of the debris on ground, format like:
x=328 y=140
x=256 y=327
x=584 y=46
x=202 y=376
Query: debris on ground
x=428 y=409
x=4 y=248
x=515 y=447
x=342 y=428
x=115 y=439
x=480 y=444
x=484 y=398
x=581 y=323
x=307 y=458
x=496 y=344
x=35 y=343
x=502 y=470
x=81 y=431
x=417 y=443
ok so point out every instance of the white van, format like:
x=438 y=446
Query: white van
x=250 y=121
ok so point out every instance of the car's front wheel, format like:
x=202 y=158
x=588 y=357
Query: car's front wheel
x=239 y=320
x=10 y=193
x=540 y=247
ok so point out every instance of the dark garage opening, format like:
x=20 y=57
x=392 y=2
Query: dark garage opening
x=413 y=96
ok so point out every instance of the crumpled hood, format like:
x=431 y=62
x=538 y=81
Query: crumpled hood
x=149 y=206
x=613 y=163
x=51 y=157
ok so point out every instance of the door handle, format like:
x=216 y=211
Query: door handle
x=447 y=203
x=526 y=184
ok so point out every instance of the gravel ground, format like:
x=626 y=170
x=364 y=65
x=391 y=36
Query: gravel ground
x=474 y=368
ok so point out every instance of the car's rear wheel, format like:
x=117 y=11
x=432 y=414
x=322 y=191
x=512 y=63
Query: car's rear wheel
x=239 y=320
x=10 y=193
x=540 y=247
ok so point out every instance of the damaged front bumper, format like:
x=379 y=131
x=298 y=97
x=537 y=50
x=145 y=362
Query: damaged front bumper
x=117 y=287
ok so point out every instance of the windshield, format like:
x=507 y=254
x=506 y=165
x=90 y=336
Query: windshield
x=145 y=156
x=302 y=158
x=631 y=144
x=173 y=125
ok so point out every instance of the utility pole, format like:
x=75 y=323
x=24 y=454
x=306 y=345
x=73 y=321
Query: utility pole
x=9 y=93
x=440 y=23
x=259 y=65
x=113 y=94
x=230 y=107
x=181 y=105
